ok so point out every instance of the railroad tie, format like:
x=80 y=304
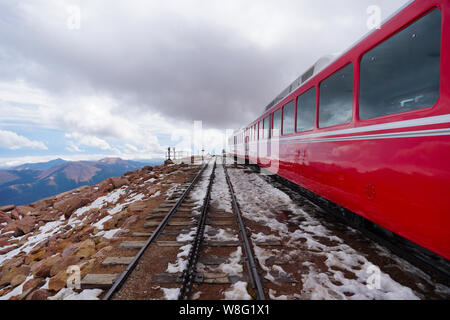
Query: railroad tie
x=209 y=243
x=114 y=261
x=207 y=278
x=100 y=281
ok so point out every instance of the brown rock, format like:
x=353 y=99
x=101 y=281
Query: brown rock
x=13 y=272
x=4 y=217
x=6 y=250
x=4 y=242
x=110 y=224
x=7 y=208
x=105 y=186
x=68 y=206
x=43 y=204
x=33 y=283
x=11 y=263
x=17 y=280
x=70 y=250
x=103 y=253
x=24 y=210
x=58 y=281
x=137 y=206
x=15 y=215
x=66 y=262
x=152 y=189
x=40 y=295
x=45 y=265
x=129 y=221
x=26 y=225
x=86 y=249
x=48 y=216
x=118 y=182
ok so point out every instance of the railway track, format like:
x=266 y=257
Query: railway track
x=201 y=246
x=219 y=255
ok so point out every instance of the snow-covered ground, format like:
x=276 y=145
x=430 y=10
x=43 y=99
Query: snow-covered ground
x=344 y=273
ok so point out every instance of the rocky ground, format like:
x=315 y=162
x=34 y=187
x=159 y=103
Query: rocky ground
x=81 y=227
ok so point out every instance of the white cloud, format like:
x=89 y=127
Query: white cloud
x=13 y=141
x=88 y=140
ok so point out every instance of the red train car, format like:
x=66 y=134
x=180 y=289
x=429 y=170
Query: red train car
x=370 y=130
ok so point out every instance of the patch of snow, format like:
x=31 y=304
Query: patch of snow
x=273 y=297
x=110 y=233
x=171 y=294
x=238 y=291
x=234 y=267
x=339 y=257
x=69 y=294
x=100 y=202
x=99 y=224
x=157 y=193
x=181 y=263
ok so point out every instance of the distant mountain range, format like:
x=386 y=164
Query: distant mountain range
x=28 y=183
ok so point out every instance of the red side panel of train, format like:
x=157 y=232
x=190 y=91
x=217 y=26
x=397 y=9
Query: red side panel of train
x=391 y=167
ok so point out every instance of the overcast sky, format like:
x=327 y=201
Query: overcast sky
x=131 y=77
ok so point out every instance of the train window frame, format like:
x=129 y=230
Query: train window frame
x=391 y=35
x=293 y=102
x=267 y=130
x=280 y=110
x=260 y=129
x=316 y=100
x=319 y=90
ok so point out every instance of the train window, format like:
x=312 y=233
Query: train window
x=260 y=136
x=402 y=73
x=276 y=123
x=267 y=127
x=289 y=117
x=336 y=98
x=306 y=110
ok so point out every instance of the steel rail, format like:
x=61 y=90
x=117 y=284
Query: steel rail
x=255 y=279
x=132 y=265
x=190 y=272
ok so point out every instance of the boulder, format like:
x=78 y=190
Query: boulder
x=152 y=189
x=129 y=221
x=103 y=253
x=42 y=268
x=147 y=168
x=86 y=249
x=58 y=281
x=105 y=186
x=40 y=295
x=48 y=216
x=4 y=217
x=19 y=279
x=12 y=273
x=15 y=214
x=6 y=250
x=68 y=206
x=11 y=263
x=70 y=250
x=26 y=225
x=7 y=208
x=24 y=210
x=33 y=283
x=63 y=265
x=118 y=182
